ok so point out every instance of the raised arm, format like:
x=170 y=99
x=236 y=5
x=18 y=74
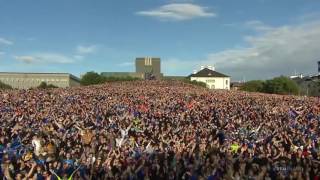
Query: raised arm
x=60 y=126
x=59 y=178
x=129 y=127
x=7 y=173
x=70 y=178
x=34 y=164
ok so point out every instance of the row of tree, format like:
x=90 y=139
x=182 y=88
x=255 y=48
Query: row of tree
x=43 y=85
x=196 y=83
x=91 y=78
x=4 y=86
x=278 y=85
x=309 y=87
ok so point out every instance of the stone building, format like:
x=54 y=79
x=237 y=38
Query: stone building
x=31 y=80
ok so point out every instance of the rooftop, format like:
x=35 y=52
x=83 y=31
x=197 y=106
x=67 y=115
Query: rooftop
x=208 y=73
x=71 y=76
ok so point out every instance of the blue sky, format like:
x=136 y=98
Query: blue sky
x=251 y=39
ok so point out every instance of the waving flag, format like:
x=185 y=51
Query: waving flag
x=234 y=148
x=293 y=114
x=190 y=105
x=143 y=108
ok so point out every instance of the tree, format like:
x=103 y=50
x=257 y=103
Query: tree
x=277 y=85
x=281 y=85
x=194 y=82
x=253 y=86
x=309 y=88
x=115 y=79
x=44 y=85
x=91 y=78
x=52 y=86
x=4 y=86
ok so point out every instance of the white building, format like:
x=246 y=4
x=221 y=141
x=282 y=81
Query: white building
x=213 y=79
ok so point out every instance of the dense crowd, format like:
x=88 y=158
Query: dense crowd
x=157 y=130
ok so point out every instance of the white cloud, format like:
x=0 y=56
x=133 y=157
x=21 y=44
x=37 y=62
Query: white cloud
x=5 y=41
x=311 y=16
x=178 y=12
x=274 y=51
x=78 y=57
x=45 y=58
x=86 y=49
x=26 y=59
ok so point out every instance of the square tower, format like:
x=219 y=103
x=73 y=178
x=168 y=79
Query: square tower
x=150 y=67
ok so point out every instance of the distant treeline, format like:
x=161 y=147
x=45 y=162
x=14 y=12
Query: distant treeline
x=4 y=86
x=43 y=85
x=278 y=85
x=196 y=83
x=91 y=78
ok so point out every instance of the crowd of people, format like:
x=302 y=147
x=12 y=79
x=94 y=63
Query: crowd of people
x=157 y=130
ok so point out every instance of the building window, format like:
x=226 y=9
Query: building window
x=148 y=61
x=226 y=82
x=210 y=81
